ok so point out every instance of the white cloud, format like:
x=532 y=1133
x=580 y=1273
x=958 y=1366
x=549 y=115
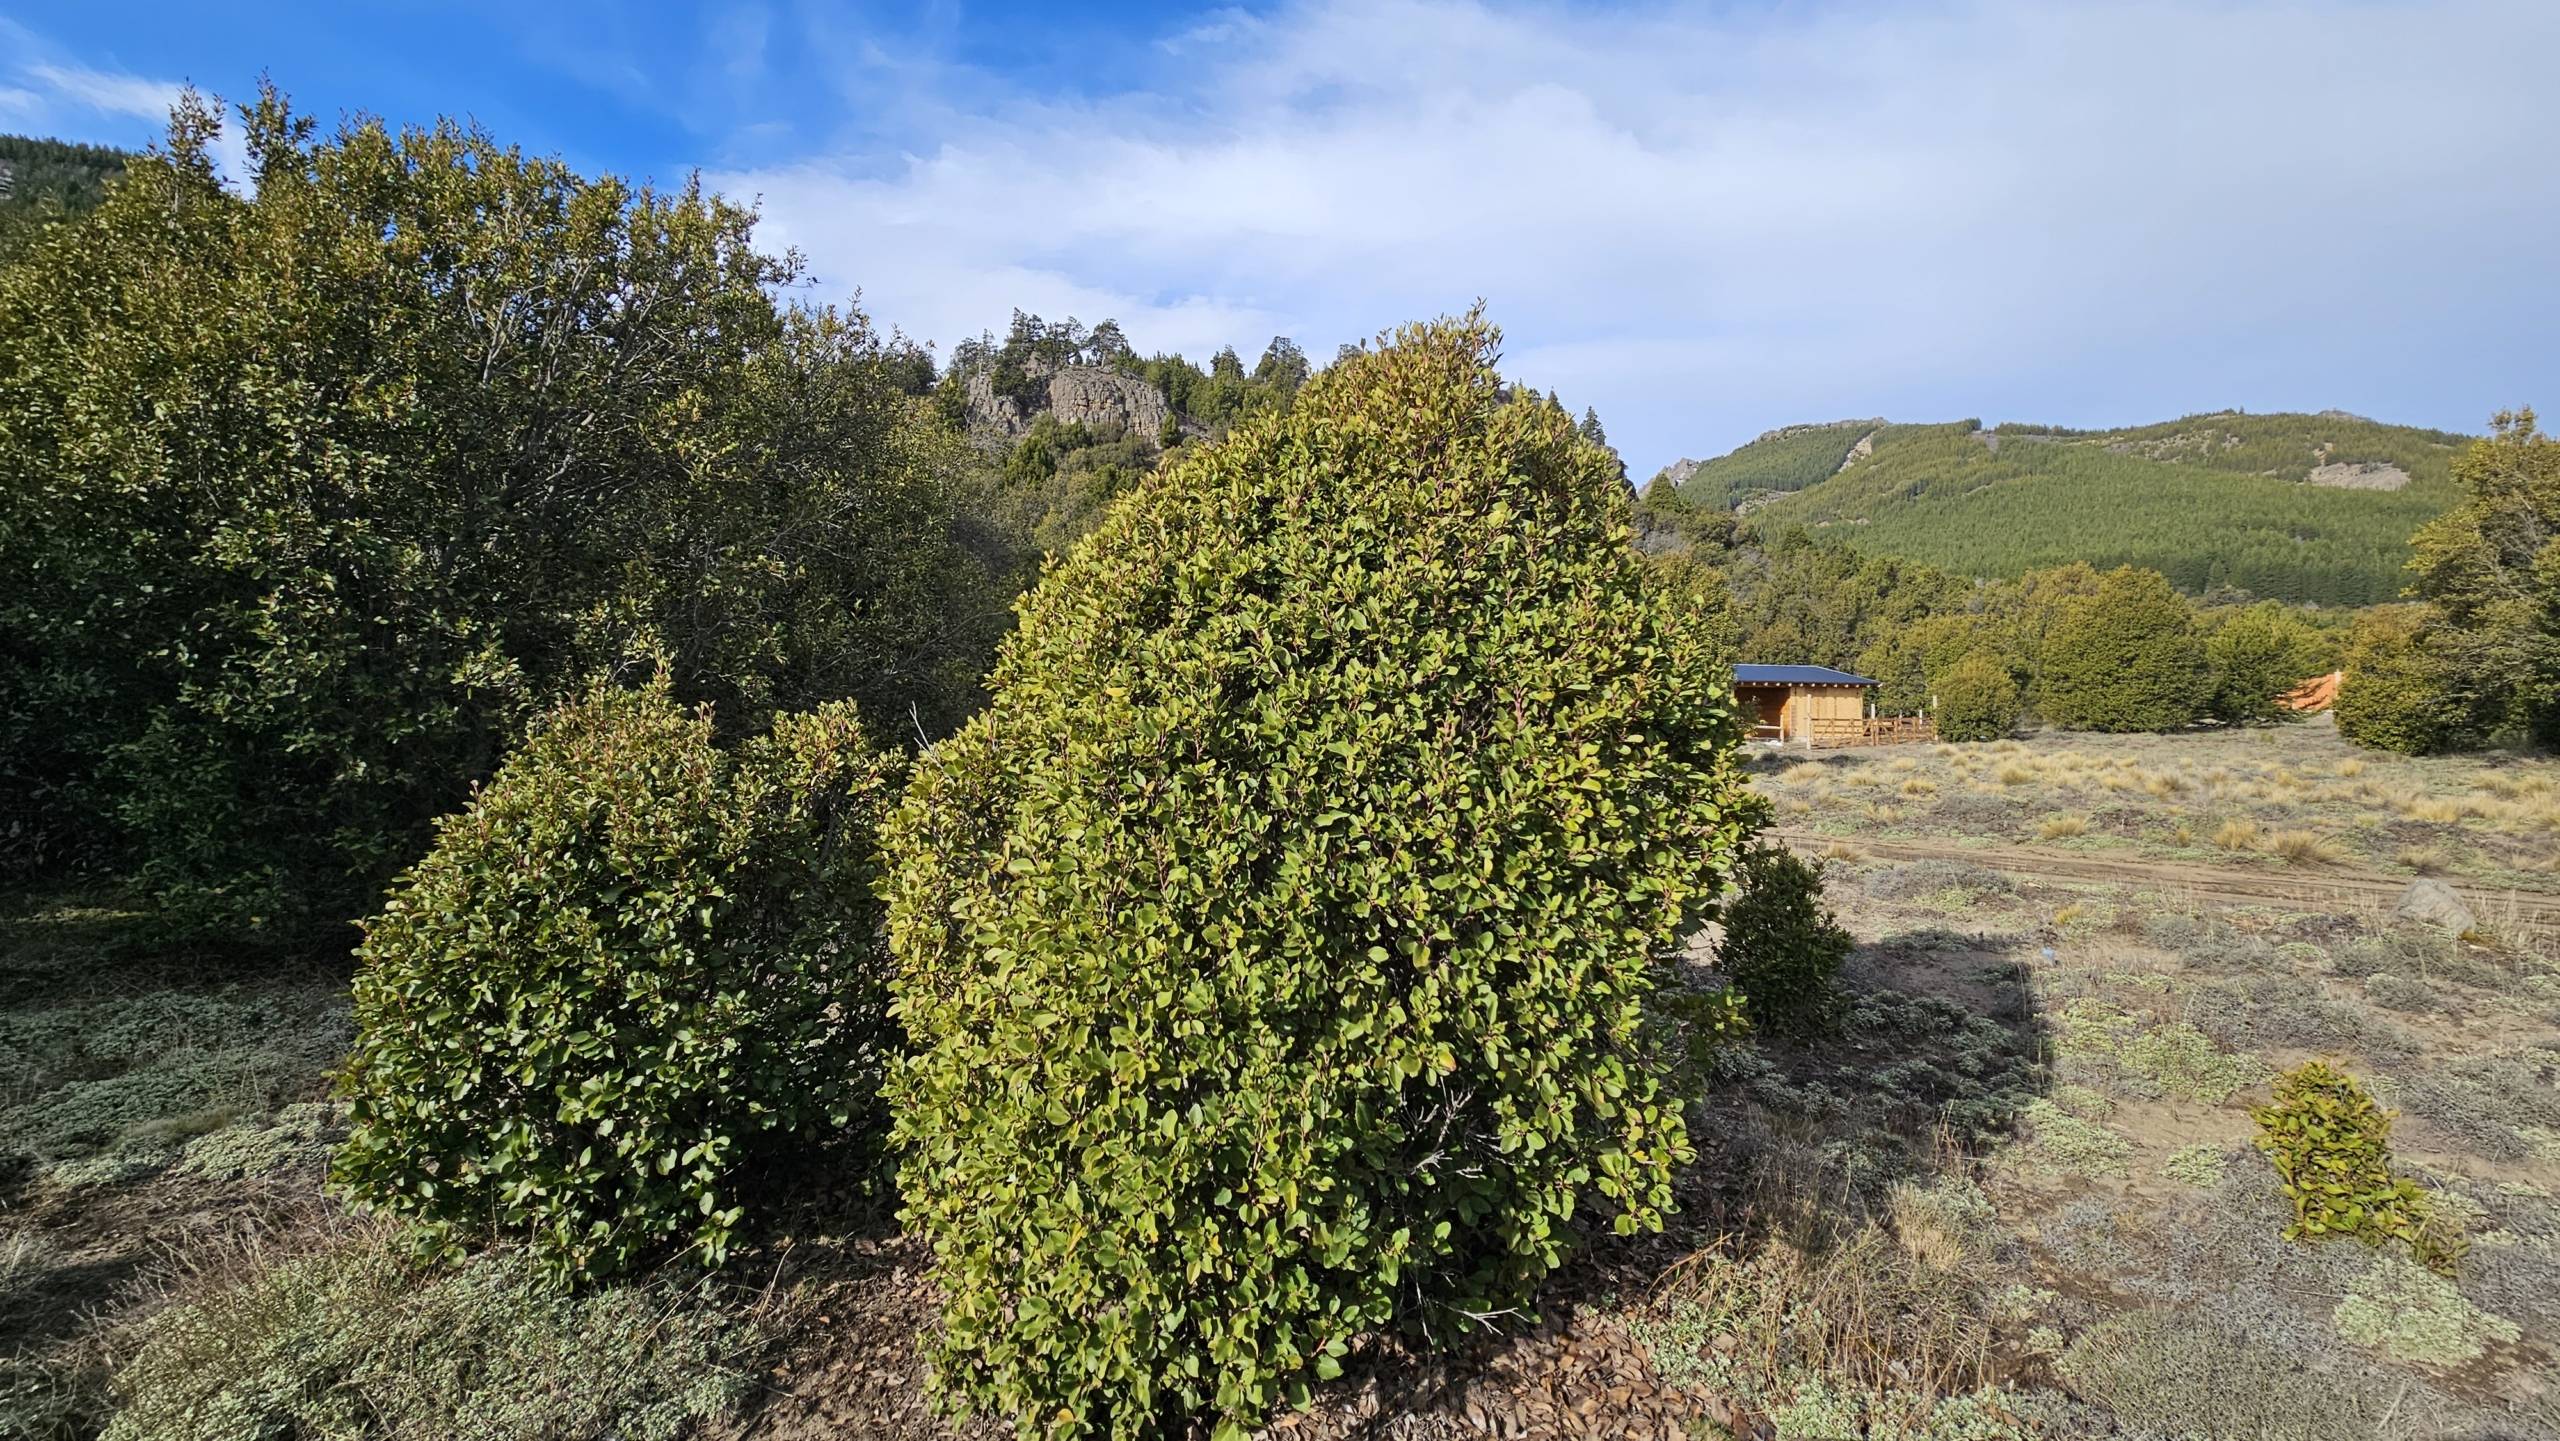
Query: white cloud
x=66 y=96
x=1710 y=225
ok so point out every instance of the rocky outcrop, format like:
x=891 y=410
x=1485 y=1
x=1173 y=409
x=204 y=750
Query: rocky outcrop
x=1093 y=396
x=2363 y=475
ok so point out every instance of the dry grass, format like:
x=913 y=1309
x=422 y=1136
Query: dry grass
x=2056 y=828
x=2300 y=847
x=2425 y=860
x=2014 y=774
x=1843 y=852
x=1919 y=786
x=2434 y=810
x=2237 y=834
x=2350 y=768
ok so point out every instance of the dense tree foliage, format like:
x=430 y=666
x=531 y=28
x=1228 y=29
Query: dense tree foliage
x=2489 y=570
x=2124 y=658
x=308 y=500
x=2398 y=694
x=1277 y=948
x=2254 y=656
x=634 y=963
x=1977 y=700
x=2212 y=502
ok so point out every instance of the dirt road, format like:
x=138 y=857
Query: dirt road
x=2300 y=886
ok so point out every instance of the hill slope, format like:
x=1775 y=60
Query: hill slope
x=2295 y=507
x=53 y=176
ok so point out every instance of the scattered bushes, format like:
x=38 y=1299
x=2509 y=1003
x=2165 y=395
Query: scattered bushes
x=2331 y=1146
x=1277 y=947
x=350 y=1344
x=635 y=958
x=1977 y=700
x=1782 y=947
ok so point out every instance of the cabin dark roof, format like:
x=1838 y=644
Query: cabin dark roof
x=1796 y=675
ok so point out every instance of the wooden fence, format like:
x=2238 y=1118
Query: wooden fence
x=1876 y=730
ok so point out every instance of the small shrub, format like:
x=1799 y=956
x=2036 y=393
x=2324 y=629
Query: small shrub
x=632 y=962
x=2199 y=1165
x=2412 y=1314
x=2062 y=1143
x=1977 y=700
x=350 y=1344
x=2402 y=993
x=2331 y=1146
x=1782 y=947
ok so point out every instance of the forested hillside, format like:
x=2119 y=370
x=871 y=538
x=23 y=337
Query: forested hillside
x=2307 y=508
x=45 y=178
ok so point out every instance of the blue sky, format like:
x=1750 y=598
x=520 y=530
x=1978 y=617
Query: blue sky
x=1703 y=220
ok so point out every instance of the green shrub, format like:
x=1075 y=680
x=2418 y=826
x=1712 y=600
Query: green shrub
x=633 y=959
x=1277 y=948
x=350 y=1344
x=2125 y=658
x=1977 y=700
x=1782 y=947
x=2256 y=656
x=312 y=496
x=2395 y=695
x=2331 y=1146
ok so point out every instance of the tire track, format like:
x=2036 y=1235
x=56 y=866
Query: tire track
x=2310 y=886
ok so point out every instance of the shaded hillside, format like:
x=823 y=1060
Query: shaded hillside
x=2312 y=508
x=44 y=178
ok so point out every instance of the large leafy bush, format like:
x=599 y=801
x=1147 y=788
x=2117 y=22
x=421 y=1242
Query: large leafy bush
x=1276 y=949
x=2125 y=658
x=635 y=960
x=311 y=498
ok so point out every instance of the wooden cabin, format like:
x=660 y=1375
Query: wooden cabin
x=1803 y=703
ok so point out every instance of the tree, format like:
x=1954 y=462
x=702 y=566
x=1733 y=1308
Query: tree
x=1282 y=364
x=1277 y=949
x=2124 y=658
x=2490 y=570
x=311 y=499
x=2256 y=656
x=1226 y=365
x=1977 y=700
x=2399 y=693
x=1592 y=433
x=630 y=967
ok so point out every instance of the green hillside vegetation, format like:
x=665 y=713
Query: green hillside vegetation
x=42 y=180
x=1784 y=460
x=2212 y=502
